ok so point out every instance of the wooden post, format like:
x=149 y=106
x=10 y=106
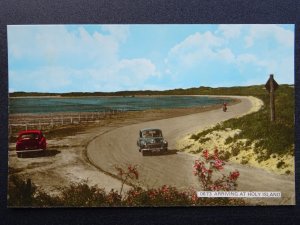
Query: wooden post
x=52 y=124
x=272 y=98
x=271 y=86
x=10 y=131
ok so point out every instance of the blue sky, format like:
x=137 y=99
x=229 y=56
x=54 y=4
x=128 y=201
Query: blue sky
x=69 y=58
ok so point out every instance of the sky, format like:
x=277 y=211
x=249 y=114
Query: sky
x=108 y=58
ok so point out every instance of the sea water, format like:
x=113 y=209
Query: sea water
x=100 y=104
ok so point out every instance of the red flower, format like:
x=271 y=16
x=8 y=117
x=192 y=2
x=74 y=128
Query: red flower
x=218 y=164
x=234 y=175
x=205 y=154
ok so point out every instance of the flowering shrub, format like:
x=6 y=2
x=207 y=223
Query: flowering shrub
x=205 y=168
x=124 y=175
x=162 y=196
x=83 y=195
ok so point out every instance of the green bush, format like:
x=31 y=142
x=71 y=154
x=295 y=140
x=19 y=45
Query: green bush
x=280 y=164
x=21 y=193
x=197 y=151
x=229 y=140
x=236 y=150
x=203 y=140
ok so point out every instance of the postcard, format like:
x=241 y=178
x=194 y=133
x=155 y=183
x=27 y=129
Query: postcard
x=132 y=115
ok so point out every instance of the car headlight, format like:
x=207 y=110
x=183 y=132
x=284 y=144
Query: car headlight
x=165 y=142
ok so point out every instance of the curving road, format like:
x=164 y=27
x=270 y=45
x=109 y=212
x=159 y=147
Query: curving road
x=118 y=147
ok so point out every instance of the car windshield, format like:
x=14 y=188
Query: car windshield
x=29 y=136
x=151 y=133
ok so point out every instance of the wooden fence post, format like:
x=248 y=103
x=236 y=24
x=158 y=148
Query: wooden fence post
x=52 y=124
x=10 y=131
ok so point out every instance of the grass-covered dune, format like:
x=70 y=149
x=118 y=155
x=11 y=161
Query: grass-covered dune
x=277 y=136
x=267 y=139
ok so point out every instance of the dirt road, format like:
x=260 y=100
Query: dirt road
x=118 y=147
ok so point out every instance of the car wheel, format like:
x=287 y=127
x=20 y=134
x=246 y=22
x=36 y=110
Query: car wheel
x=143 y=153
x=19 y=155
x=140 y=150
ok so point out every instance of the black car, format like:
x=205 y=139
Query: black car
x=151 y=140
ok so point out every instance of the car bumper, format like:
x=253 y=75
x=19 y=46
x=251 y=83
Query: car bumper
x=154 y=149
x=29 y=150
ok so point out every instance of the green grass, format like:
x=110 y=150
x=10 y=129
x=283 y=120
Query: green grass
x=275 y=137
x=202 y=134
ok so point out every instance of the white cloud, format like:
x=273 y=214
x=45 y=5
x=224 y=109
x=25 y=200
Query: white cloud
x=193 y=49
x=197 y=41
x=230 y=30
x=126 y=74
x=119 y=32
x=76 y=58
x=207 y=51
x=43 y=79
x=246 y=58
x=260 y=32
x=91 y=59
x=226 y=55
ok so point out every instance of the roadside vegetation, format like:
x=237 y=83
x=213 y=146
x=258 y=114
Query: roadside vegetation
x=267 y=137
x=238 y=90
x=26 y=194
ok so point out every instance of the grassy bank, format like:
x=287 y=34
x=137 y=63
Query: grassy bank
x=255 y=131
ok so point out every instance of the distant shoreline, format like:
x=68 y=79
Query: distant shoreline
x=120 y=96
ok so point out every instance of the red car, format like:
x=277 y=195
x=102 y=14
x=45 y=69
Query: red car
x=30 y=141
